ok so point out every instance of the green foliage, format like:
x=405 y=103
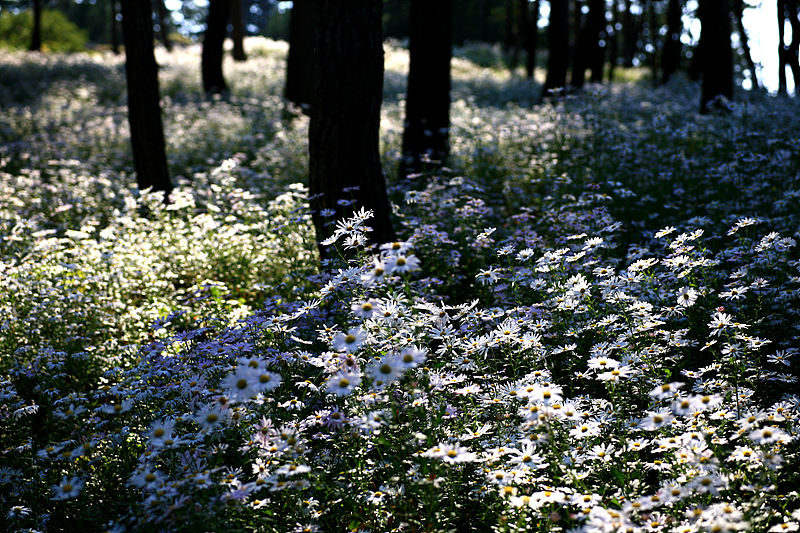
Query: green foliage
x=58 y=33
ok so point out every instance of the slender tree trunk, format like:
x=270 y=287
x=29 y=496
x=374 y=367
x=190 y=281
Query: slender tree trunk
x=717 y=60
x=512 y=37
x=113 y=27
x=738 y=6
x=631 y=29
x=781 y=47
x=531 y=36
x=558 y=37
x=144 y=107
x=163 y=18
x=588 y=46
x=794 y=47
x=613 y=40
x=36 y=33
x=213 y=43
x=237 y=21
x=654 y=41
x=343 y=135
x=483 y=23
x=671 y=58
x=426 y=137
x=300 y=62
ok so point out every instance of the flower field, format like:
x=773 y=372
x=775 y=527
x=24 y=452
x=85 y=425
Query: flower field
x=591 y=323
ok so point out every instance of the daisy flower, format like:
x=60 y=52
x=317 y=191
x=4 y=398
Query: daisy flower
x=350 y=341
x=687 y=296
x=67 y=489
x=343 y=383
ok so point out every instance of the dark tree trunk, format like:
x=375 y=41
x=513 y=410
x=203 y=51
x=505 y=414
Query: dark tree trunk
x=631 y=29
x=613 y=40
x=163 y=17
x=300 y=62
x=144 y=107
x=344 y=130
x=597 y=58
x=558 y=36
x=530 y=36
x=654 y=40
x=794 y=47
x=213 y=42
x=671 y=59
x=36 y=33
x=738 y=6
x=483 y=23
x=426 y=137
x=237 y=21
x=113 y=27
x=512 y=37
x=717 y=60
x=588 y=46
x=782 y=46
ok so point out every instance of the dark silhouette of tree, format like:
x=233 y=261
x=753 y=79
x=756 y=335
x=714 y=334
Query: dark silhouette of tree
x=114 y=8
x=671 y=57
x=558 y=39
x=793 y=49
x=782 y=46
x=717 y=55
x=163 y=24
x=738 y=12
x=345 y=121
x=144 y=107
x=588 y=53
x=300 y=62
x=237 y=21
x=426 y=137
x=36 y=33
x=631 y=30
x=529 y=30
x=613 y=40
x=213 y=41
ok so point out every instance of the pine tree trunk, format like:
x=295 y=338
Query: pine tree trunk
x=558 y=37
x=163 y=16
x=671 y=58
x=113 y=28
x=237 y=21
x=794 y=47
x=613 y=40
x=717 y=59
x=144 y=107
x=781 y=47
x=213 y=42
x=344 y=130
x=631 y=29
x=300 y=62
x=36 y=32
x=531 y=37
x=743 y=38
x=426 y=137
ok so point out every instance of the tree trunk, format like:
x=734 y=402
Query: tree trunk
x=300 y=62
x=631 y=28
x=36 y=32
x=531 y=36
x=717 y=59
x=343 y=136
x=781 y=46
x=144 y=107
x=426 y=137
x=738 y=6
x=671 y=59
x=588 y=46
x=794 y=47
x=213 y=42
x=113 y=27
x=613 y=40
x=558 y=37
x=512 y=37
x=163 y=17
x=237 y=21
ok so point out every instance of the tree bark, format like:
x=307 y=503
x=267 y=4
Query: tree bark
x=717 y=59
x=144 y=107
x=344 y=130
x=613 y=41
x=558 y=36
x=237 y=21
x=588 y=46
x=782 y=47
x=530 y=36
x=163 y=16
x=426 y=137
x=300 y=62
x=671 y=58
x=794 y=47
x=36 y=32
x=213 y=42
x=631 y=28
x=113 y=27
x=738 y=6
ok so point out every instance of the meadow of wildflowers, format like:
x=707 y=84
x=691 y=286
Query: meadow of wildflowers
x=590 y=324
